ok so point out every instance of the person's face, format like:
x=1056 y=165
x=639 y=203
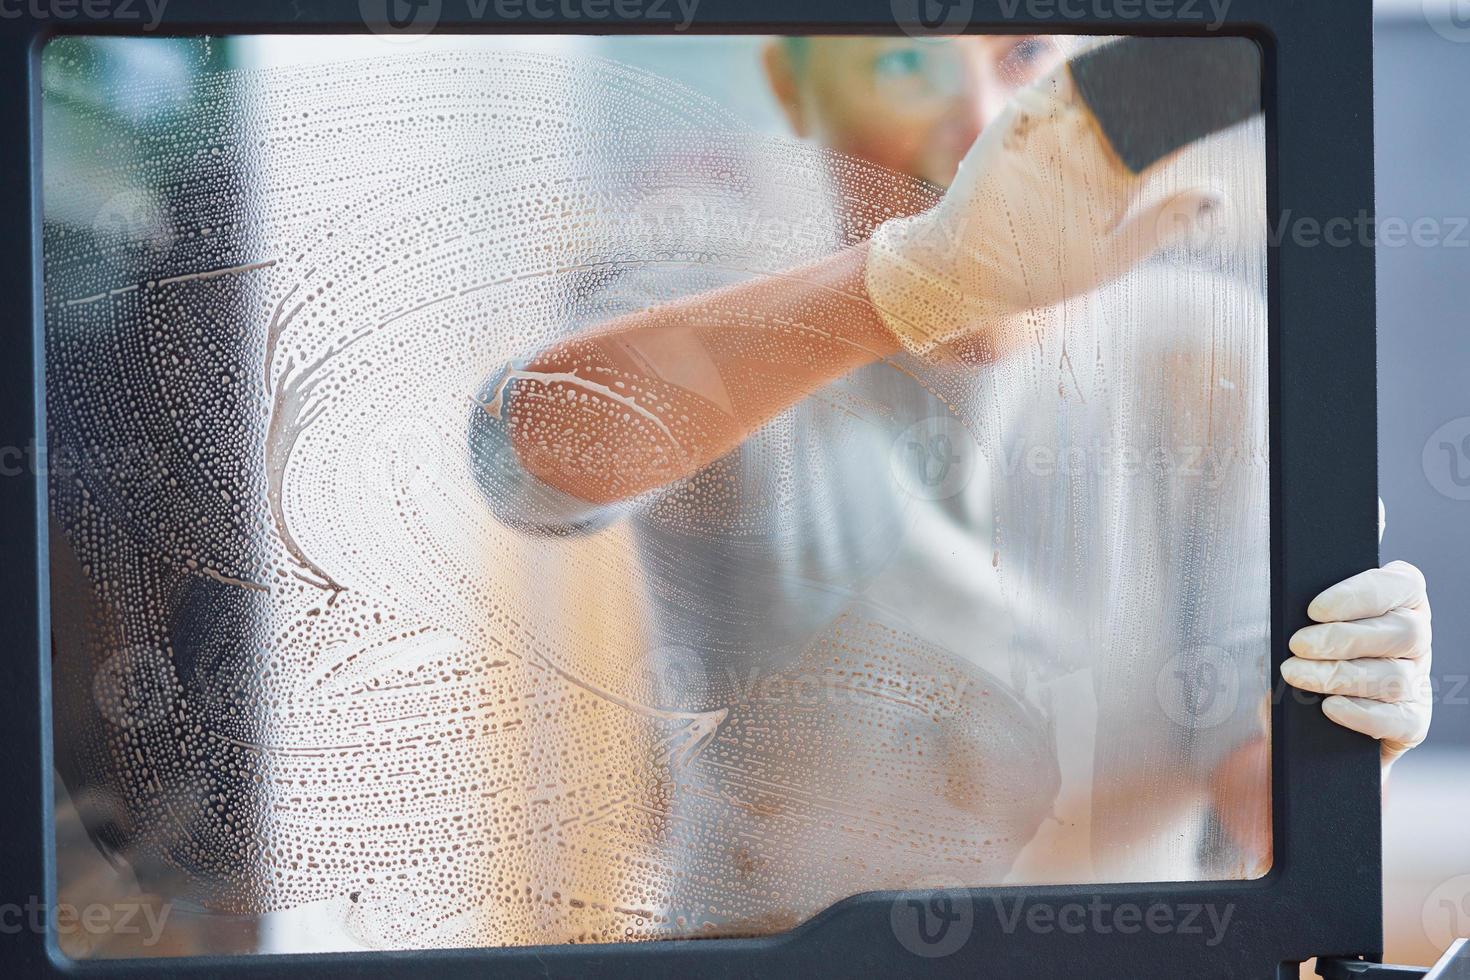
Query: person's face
x=910 y=105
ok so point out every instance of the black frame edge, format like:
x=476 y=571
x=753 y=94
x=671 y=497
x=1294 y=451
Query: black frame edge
x=1323 y=895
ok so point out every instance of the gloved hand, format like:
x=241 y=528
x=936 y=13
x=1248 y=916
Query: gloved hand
x=1370 y=652
x=1041 y=210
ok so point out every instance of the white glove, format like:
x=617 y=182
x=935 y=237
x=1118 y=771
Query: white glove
x=1041 y=210
x=1371 y=654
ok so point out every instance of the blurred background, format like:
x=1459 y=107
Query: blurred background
x=1422 y=145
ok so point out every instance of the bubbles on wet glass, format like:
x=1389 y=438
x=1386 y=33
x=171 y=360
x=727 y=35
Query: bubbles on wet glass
x=330 y=641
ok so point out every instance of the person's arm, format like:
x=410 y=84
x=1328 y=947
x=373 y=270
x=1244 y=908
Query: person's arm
x=1042 y=209
x=657 y=395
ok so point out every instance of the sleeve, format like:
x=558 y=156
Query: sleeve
x=517 y=497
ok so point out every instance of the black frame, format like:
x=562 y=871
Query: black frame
x=1322 y=896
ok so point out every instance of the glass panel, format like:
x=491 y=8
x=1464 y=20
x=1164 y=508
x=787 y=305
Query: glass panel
x=491 y=503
